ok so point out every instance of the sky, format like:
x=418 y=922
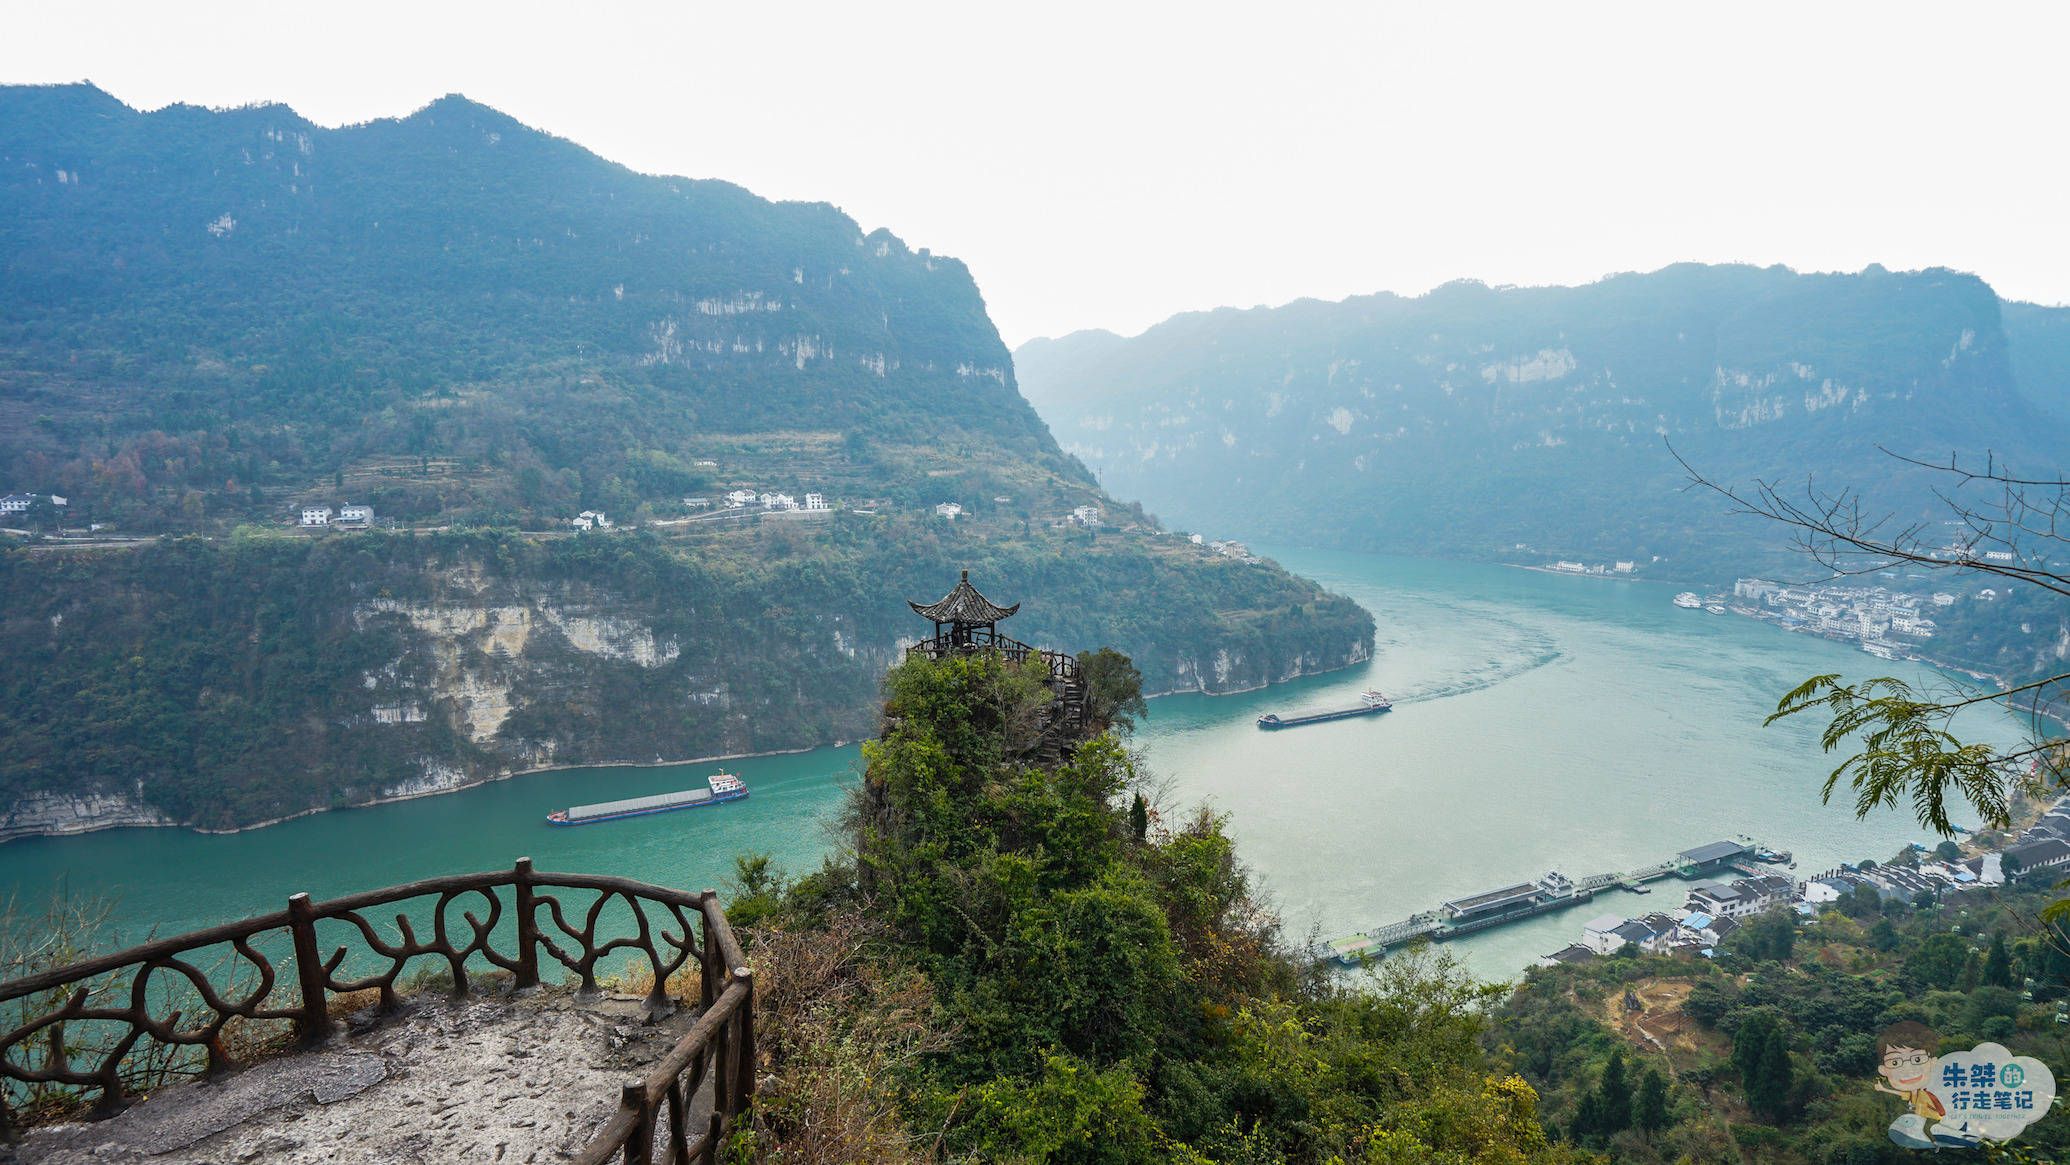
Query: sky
x=1111 y=164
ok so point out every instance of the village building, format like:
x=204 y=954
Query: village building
x=740 y=498
x=817 y=503
x=361 y=514
x=1572 y=953
x=948 y=510
x=316 y=515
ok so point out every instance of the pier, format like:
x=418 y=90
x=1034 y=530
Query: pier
x=1500 y=907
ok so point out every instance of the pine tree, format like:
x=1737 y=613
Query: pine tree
x=1768 y=1091
x=1617 y=1095
x=1650 y=1111
x=1139 y=818
x=1998 y=970
x=1587 y=1124
x=1747 y=1043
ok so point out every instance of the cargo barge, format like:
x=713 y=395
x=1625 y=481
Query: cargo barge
x=724 y=787
x=1370 y=704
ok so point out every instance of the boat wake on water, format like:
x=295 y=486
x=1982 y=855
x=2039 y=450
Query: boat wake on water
x=1495 y=671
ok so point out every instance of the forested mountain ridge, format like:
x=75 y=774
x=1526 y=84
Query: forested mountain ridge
x=211 y=318
x=1473 y=419
x=198 y=303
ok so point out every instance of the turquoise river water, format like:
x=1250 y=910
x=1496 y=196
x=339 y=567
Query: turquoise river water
x=1540 y=722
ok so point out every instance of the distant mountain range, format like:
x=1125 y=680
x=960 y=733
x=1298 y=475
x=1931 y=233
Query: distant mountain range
x=1529 y=423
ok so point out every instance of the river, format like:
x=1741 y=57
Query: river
x=1540 y=722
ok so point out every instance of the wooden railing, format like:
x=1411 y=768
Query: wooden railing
x=1064 y=678
x=177 y=1027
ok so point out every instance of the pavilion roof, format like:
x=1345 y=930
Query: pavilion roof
x=963 y=605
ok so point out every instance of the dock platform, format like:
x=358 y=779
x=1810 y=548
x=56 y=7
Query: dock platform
x=1492 y=908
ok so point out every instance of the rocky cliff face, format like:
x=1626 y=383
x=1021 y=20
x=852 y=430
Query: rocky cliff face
x=43 y=814
x=224 y=684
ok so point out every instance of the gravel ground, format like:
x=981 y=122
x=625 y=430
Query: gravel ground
x=519 y=1079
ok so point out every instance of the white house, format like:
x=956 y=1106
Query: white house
x=316 y=515
x=779 y=502
x=355 y=513
x=1086 y=515
x=1195 y=539
x=1626 y=567
x=591 y=519
x=949 y=510
x=739 y=498
x=816 y=503
x=1600 y=935
x=16 y=503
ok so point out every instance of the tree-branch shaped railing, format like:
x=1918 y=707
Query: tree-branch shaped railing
x=160 y=1016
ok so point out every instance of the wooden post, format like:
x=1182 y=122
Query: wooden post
x=315 y=1022
x=708 y=959
x=527 y=926
x=744 y=1050
x=639 y=1144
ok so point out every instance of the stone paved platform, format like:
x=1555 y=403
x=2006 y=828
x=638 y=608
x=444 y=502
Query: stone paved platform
x=520 y=1080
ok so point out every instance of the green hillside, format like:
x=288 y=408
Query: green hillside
x=212 y=318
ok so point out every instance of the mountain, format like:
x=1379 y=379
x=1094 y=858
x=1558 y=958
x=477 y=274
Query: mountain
x=212 y=302
x=1537 y=422
x=212 y=318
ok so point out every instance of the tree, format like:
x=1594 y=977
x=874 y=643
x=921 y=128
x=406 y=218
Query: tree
x=1883 y=936
x=1113 y=689
x=1617 y=1095
x=1587 y=1125
x=1938 y=962
x=1948 y=851
x=1650 y=1111
x=1768 y=1090
x=1139 y=818
x=1998 y=971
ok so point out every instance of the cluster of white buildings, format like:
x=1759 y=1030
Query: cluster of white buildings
x=1869 y=614
x=1714 y=909
x=18 y=503
x=590 y=520
x=342 y=516
x=1619 y=567
x=743 y=499
x=1711 y=911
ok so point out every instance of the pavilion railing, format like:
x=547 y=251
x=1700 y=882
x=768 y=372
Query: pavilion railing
x=158 y=1030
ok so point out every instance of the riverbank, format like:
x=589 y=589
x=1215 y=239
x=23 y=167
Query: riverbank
x=142 y=817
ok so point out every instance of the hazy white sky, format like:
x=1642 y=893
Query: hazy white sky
x=1108 y=164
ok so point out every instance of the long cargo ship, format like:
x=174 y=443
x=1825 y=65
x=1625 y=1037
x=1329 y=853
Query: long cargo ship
x=724 y=787
x=1370 y=704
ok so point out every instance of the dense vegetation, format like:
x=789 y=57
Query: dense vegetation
x=231 y=681
x=208 y=315
x=1011 y=965
x=1770 y=1052
x=1475 y=420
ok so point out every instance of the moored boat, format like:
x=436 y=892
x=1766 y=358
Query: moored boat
x=1689 y=600
x=724 y=787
